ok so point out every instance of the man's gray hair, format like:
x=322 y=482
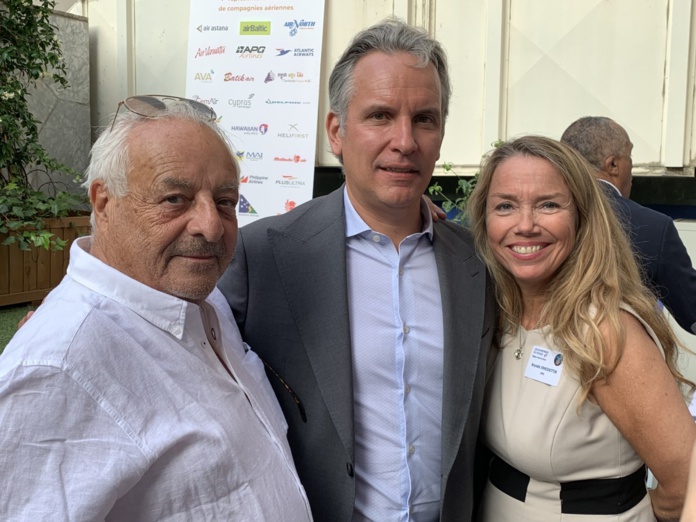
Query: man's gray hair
x=110 y=159
x=390 y=36
x=596 y=138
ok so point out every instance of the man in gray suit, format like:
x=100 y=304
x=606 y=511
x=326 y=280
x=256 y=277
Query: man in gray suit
x=376 y=322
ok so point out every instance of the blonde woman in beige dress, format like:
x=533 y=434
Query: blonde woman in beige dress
x=585 y=390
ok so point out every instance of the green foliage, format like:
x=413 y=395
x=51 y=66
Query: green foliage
x=29 y=51
x=463 y=191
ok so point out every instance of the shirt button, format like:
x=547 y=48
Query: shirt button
x=406 y=329
x=349 y=469
x=411 y=450
x=176 y=330
x=376 y=238
x=212 y=332
x=407 y=389
x=401 y=271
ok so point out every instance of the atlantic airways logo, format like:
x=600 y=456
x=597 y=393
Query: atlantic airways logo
x=204 y=77
x=255 y=28
x=248 y=155
x=206 y=28
x=251 y=51
x=299 y=25
x=293 y=132
x=250 y=129
x=241 y=103
x=298 y=51
x=245 y=207
x=283 y=52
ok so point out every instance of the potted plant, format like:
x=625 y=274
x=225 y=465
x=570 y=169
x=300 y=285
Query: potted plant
x=455 y=206
x=34 y=188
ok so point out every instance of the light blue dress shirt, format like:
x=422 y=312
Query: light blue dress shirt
x=397 y=347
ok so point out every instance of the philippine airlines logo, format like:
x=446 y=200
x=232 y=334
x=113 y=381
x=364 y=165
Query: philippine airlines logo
x=290 y=181
x=293 y=132
x=248 y=155
x=204 y=77
x=241 y=103
x=245 y=207
x=254 y=180
x=301 y=25
x=208 y=51
x=229 y=77
x=250 y=129
x=251 y=51
x=293 y=159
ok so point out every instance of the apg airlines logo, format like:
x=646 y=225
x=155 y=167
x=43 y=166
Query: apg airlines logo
x=251 y=51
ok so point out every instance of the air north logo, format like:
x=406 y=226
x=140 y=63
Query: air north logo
x=204 y=77
x=299 y=25
x=245 y=207
x=254 y=28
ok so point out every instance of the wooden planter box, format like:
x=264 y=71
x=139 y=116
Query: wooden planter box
x=28 y=276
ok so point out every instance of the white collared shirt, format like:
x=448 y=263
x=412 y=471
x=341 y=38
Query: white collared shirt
x=113 y=405
x=397 y=347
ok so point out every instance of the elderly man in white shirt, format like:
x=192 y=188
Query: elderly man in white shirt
x=130 y=395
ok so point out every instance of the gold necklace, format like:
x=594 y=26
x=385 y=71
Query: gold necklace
x=520 y=352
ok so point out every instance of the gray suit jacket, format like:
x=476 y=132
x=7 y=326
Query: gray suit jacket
x=288 y=292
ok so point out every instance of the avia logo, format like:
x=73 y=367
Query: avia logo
x=208 y=51
x=283 y=52
x=245 y=207
x=205 y=77
x=301 y=25
x=254 y=28
x=229 y=77
x=204 y=28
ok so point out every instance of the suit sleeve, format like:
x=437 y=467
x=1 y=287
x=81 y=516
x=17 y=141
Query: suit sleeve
x=234 y=283
x=677 y=278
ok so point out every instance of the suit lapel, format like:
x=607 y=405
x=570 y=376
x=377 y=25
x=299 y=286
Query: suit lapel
x=462 y=285
x=311 y=259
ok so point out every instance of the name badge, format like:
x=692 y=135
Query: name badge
x=545 y=366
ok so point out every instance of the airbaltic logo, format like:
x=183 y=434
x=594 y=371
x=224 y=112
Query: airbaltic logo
x=204 y=28
x=241 y=103
x=254 y=51
x=204 y=77
x=254 y=28
x=210 y=51
x=250 y=129
x=301 y=25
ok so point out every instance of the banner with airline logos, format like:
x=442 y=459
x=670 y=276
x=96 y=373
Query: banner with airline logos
x=257 y=64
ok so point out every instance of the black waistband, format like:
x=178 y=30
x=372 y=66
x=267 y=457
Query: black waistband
x=581 y=497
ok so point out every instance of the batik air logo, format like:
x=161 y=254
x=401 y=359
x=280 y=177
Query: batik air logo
x=299 y=25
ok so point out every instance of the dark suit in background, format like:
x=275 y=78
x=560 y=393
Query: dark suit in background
x=287 y=288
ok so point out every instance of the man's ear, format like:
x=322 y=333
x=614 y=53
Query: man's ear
x=610 y=166
x=333 y=131
x=100 y=198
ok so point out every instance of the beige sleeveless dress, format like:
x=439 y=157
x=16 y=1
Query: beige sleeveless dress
x=537 y=428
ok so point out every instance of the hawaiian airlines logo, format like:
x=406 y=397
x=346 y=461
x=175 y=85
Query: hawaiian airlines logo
x=209 y=51
x=250 y=129
x=245 y=207
x=301 y=25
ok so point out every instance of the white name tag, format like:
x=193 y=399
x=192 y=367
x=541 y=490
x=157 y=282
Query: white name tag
x=545 y=366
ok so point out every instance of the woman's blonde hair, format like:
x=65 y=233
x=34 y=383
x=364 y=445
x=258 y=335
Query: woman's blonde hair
x=599 y=274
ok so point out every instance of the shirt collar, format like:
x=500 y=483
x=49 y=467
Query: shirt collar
x=355 y=225
x=611 y=185
x=158 y=308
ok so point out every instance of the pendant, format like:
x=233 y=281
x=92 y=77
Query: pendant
x=518 y=353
